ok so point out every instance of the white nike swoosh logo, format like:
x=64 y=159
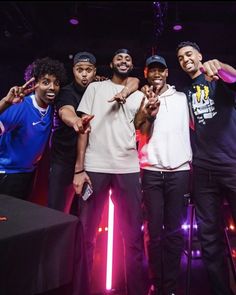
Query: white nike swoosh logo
x=35 y=123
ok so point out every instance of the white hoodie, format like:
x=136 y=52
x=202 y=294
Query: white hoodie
x=169 y=147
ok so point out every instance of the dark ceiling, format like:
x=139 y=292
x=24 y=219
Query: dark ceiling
x=36 y=29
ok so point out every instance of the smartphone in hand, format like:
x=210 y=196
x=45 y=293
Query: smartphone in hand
x=86 y=191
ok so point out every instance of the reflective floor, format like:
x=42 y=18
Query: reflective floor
x=194 y=282
x=198 y=277
x=198 y=283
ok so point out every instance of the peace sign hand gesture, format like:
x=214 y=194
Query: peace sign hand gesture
x=17 y=93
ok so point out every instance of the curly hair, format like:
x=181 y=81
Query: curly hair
x=46 y=65
x=188 y=43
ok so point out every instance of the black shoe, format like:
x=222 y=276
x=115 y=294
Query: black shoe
x=153 y=291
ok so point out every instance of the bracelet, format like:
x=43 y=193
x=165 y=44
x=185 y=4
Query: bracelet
x=78 y=172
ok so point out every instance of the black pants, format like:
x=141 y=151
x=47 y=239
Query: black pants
x=60 y=191
x=126 y=196
x=165 y=210
x=18 y=185
x=210 y=189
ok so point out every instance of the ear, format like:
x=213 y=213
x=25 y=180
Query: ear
x=145 y=72
x=200 y=56
x=167 y=73
x=111 y=65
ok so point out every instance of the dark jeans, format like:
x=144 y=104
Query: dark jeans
x=210 y=188
x=126 y=196
x=18 y=185
x=165 y=210
x=60 y=190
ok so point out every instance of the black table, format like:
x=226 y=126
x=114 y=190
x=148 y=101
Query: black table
x=40 y=249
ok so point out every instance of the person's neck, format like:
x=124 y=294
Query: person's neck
x=40 y=103
x=163 y=89
x=195 y=75
x=119 y=80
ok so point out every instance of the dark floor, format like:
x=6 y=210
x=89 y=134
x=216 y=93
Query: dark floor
x=198 y=278
x=198 y=283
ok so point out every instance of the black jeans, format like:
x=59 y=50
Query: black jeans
x=126 y=196
x=165 y=210
x=18 y=185
x=60 y=188
x=210 y=188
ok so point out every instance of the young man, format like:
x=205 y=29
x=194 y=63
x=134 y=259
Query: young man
x=165 y=157
x=212 y=100
x=25 y=127
x=67 y=125
x=109 y=157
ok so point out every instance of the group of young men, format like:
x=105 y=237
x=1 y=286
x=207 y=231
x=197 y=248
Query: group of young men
x=94 y=142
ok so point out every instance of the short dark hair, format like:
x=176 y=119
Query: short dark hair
x=187 y=43
x=46 y=65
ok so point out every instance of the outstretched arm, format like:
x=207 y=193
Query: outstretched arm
x=69 y=117
x=214 y=69
x=131 y=86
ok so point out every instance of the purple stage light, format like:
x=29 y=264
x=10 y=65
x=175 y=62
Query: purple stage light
x=74 y=21
x=177 y=27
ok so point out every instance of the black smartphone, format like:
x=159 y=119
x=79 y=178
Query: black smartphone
x=86 y=191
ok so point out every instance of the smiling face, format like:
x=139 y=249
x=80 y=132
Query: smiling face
x=84 y=73
x=122 y=64
x=190 y=60
x=47 y=89
x=156 y=76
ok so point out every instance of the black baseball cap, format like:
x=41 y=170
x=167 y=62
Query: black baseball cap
x=121 y=50
x=156 y=59
x=84 y=56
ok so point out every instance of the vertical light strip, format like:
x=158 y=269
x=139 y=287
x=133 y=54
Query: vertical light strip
x=110 y=243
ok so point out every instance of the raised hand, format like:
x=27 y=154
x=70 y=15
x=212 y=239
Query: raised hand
x=146 y=89
x=81 y=125
x=121 y=96
x=17 y=93
x=152 y=107
x=86 y=123
x=211 y=69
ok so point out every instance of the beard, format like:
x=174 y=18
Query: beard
x=121 y=74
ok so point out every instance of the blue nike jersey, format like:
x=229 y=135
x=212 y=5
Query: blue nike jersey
x=25 y=132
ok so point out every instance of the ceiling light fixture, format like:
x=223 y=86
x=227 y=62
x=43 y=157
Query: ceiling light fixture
x=74 y=20
x=177 y=26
